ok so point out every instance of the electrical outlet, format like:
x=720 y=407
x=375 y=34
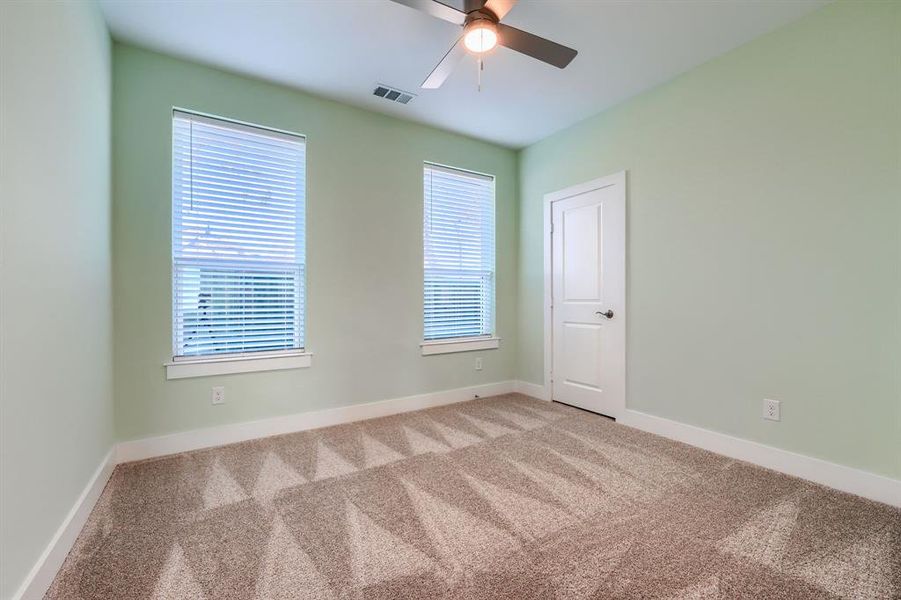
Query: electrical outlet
x=772 y=410
x=218 y=395
x=478 y=364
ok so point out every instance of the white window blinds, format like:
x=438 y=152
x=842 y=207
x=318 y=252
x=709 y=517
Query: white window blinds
x=237 y=238
x=459 y=253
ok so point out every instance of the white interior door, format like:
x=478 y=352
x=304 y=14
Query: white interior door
x=587 y=304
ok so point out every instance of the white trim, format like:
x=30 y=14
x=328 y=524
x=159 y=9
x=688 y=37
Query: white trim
x=203 y=367
x=239 y=432
x=280 y=134
x=38 y=580
x=457 y=170
x=459 y=345
x=846 y=479
x=41 y=576
x=549 y=199
x=535 y=390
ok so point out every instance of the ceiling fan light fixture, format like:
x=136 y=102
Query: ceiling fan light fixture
x=480 y=36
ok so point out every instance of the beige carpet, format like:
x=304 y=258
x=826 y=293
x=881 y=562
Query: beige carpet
x=504 y=497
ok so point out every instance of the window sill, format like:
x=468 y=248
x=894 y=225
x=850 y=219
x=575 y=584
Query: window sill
x=205 y=367
x=459 y=345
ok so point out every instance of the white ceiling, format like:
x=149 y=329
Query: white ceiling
x=341 y=48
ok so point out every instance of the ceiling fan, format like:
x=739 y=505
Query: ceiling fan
x=482 y=31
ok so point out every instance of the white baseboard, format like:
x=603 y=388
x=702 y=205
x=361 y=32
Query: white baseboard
x=530 y=389
x=846 y=479
x=45 y=569
x=38 y=580
x=239 y=432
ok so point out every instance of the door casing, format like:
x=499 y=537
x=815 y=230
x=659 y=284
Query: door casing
x=618 y=180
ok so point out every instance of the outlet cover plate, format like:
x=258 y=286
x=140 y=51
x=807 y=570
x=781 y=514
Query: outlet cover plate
x=217 y=395
x=772 y=410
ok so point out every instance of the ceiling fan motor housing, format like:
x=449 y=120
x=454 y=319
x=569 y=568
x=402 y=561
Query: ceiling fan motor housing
x=482 y=14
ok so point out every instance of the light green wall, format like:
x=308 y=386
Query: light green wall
x=56 y=414
x=764 y=248
x=763 y=237
x=364 y=251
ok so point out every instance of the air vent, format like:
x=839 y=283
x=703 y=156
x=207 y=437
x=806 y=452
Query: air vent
x=393 y=94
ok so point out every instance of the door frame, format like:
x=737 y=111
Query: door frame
x=549 y=199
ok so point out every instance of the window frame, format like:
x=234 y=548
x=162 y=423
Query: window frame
x=182 y=366
x=486 y=341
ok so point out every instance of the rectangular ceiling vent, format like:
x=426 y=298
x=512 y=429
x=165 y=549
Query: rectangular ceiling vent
x=393 y=94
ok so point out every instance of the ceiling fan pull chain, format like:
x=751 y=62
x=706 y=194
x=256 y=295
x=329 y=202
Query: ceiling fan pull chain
x=481 y=66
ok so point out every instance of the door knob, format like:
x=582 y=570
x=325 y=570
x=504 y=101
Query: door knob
x=608 y=314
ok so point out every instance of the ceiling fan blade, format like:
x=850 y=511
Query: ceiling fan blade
x=534 y=46
x=436 y=9
x=500 y=7
x=445 y=67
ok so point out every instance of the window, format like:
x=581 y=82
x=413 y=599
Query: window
x=237 y=239
x=458 y=235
